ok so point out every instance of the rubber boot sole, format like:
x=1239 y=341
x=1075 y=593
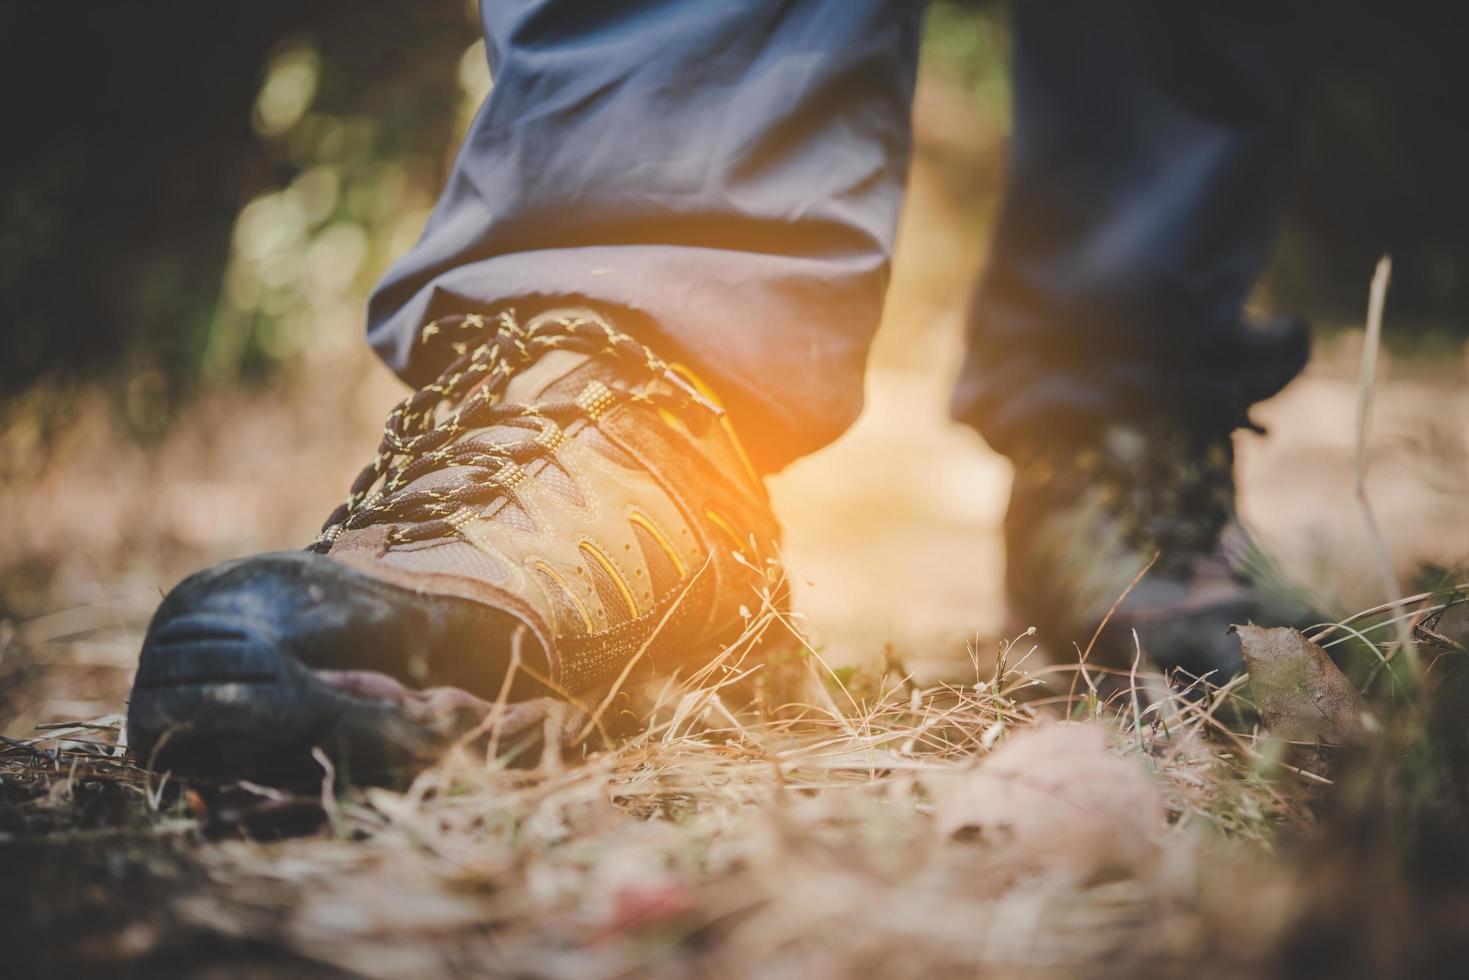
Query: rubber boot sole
x=215 y=696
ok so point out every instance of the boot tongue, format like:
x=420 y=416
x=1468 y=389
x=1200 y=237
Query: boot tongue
x=535 y=382
x=559 y=374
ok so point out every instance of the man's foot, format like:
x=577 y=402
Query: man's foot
x=559 y=509
x=1085 y=522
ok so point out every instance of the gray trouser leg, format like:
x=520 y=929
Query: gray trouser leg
x=726 y=175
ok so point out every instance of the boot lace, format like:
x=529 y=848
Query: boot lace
x=433 y=428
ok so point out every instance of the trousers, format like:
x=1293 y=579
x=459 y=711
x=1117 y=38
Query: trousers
x=726 y=180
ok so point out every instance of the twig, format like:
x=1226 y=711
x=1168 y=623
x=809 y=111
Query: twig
x=1365 y=390
x=1137 y=716
x=595 y=720
x=328 y=792
x=46 y=754
x=1120 y=599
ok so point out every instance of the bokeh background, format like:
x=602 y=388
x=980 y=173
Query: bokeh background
x=195 y=200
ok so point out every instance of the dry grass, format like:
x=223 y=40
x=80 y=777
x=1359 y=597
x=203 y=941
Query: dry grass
x=739 y=834
x=775 y=817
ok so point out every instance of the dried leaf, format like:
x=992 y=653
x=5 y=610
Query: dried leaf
x=1053 y=799
x=1302 y=696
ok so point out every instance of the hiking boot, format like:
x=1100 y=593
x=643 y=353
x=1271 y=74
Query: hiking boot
x=1143 y=519
x=559 y=512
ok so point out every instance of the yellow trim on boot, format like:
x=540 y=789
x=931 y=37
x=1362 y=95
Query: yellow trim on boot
x=596 y=555
x=688 y=375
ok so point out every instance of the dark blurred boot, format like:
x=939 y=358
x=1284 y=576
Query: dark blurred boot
x=1086 y=519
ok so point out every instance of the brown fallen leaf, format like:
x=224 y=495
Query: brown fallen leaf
x=1300 y=693
x=1054 y=800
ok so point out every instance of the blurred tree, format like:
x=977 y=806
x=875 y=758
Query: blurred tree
x=1383 y=168
x=139 y=131
x=189 y=189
